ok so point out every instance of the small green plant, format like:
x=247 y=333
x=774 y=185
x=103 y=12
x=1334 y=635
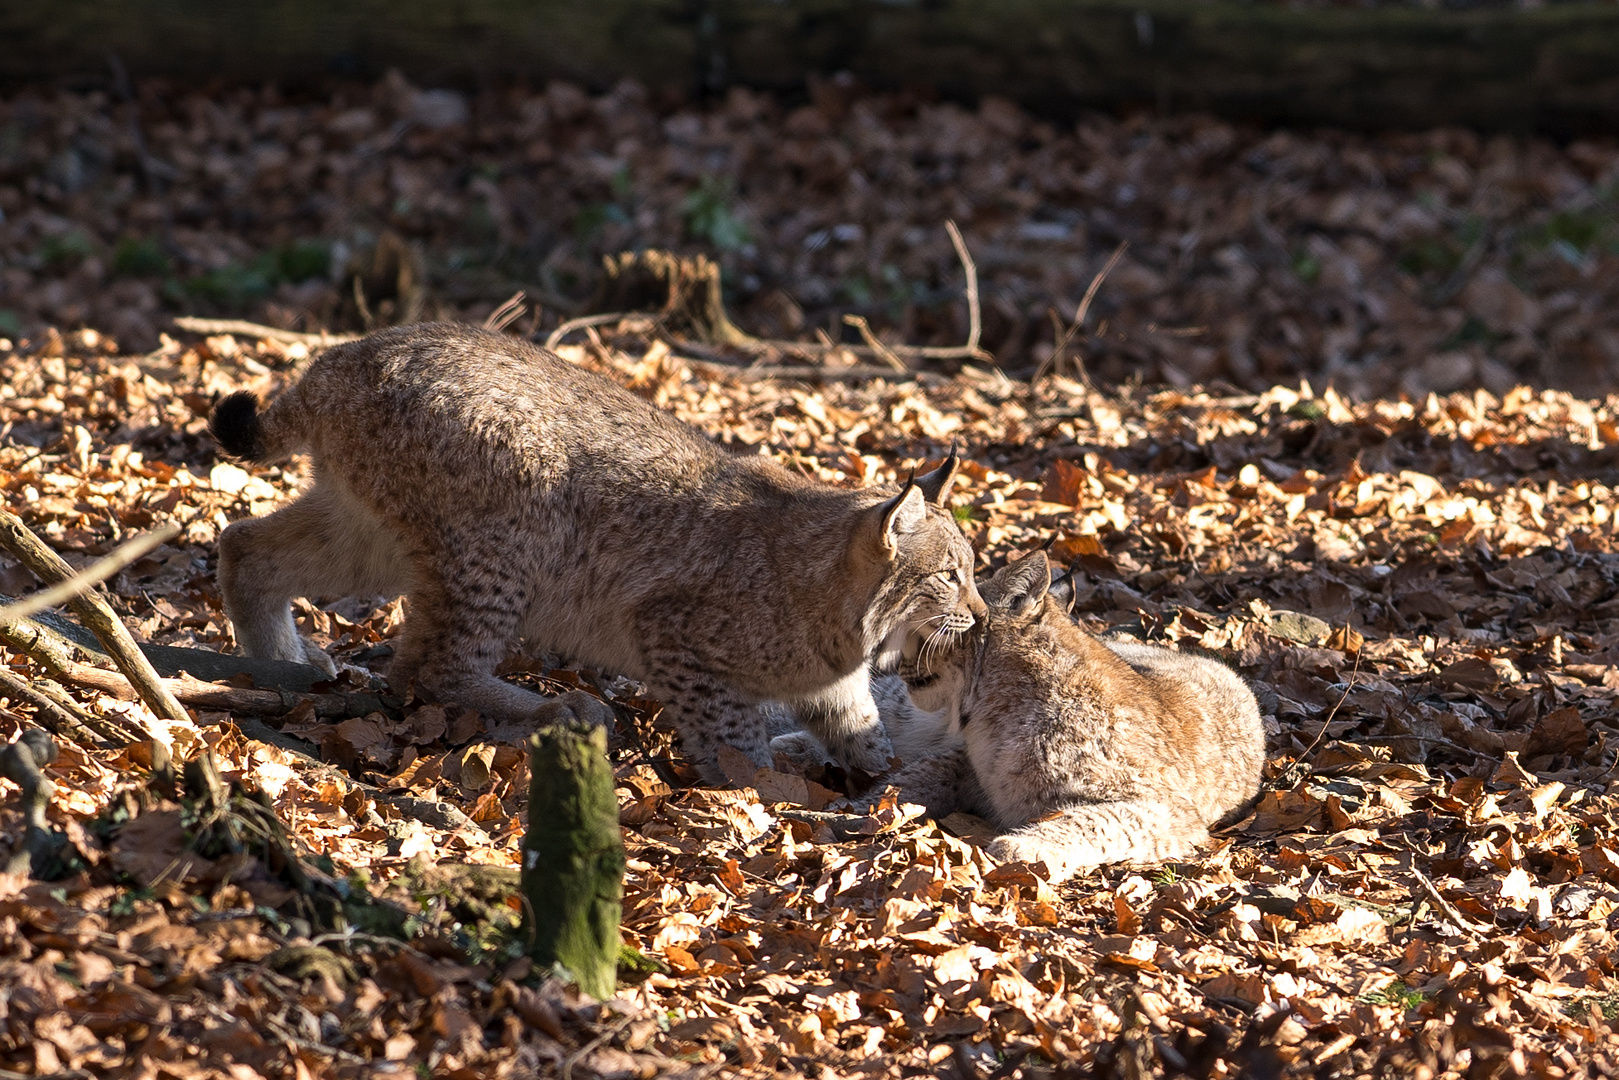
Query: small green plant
x=618 y=210
x=10 y=322
x=1472 y=332
x=1604 y=1005
x=124 y=903
x=237 y=284
x=1306 y=267
x=1166 y=876
x=140 y=257
x=1395 y=994
x=710 y=216
x=66 y=250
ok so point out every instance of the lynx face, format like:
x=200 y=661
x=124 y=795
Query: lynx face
x=930 y=576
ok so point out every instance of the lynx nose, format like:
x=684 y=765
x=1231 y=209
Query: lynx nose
x=974 y=602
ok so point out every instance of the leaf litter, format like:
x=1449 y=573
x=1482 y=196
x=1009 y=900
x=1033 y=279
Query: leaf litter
x=1423 y=590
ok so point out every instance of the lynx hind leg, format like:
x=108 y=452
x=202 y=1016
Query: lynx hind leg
x=943 y=784
x=455 y=637
x=844 y=718
x=319 y=545
x=708 y=713
x=1088 y=835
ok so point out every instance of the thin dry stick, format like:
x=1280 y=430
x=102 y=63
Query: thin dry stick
x=207 y=695
x=257 y=330
x=554 y=338
x=1446 y=908
x=1080 y=313
x=94 y=574
x=882 y=351
x=52 y=716
x=96 y=614
x=507 y=313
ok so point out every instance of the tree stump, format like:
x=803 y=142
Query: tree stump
x=573 y=857
x=682 y=291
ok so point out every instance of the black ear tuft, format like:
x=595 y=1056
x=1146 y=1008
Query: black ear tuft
x=1062 y=590
x=1065 y=590
x=936 y=484
x=1020 y=586
x=235 y=425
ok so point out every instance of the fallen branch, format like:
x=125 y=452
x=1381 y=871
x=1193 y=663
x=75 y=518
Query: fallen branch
x=507 y=313
x=257 y=330
x=55 y=717
x=1446 y=908
x=554 y=338
x=96 y=614
x=249 y=702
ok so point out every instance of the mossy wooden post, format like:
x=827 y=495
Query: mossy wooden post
x=573 y=856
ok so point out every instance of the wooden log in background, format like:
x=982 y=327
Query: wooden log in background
x=1555 y=69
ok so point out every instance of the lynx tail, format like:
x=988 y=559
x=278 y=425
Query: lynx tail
x=235 y=426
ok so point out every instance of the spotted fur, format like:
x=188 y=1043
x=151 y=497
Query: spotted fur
x=1084 y=752
x=507 y=493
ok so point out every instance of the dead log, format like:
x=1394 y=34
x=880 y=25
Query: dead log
x=1514 y=69
x=573 y=857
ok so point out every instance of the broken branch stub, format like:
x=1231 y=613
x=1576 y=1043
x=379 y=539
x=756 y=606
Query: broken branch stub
x=573 y=857
x=682 y=292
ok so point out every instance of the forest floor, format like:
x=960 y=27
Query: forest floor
x=1423 y=589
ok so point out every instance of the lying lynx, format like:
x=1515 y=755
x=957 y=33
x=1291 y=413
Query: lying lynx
x=510 y=494
x=1086 y=752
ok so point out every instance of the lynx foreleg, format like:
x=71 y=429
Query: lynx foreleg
x=1087 y=835
x=844 y=717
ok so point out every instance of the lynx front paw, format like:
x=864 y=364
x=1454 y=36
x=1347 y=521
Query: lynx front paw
x=315 y=656
x=575 y=707
x=869 y=751
x=801 y=748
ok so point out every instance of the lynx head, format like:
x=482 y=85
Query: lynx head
x=939 y=672
x=927 y=566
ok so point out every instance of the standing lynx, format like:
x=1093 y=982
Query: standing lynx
x=1083 y=752
x=510 y=494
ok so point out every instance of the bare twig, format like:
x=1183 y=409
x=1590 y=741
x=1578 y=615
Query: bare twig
x=257 y=330
x=975 y=320
x=1446 y=908
x=207 y=695
x=53 y=716
x=507 y=313
x=554 y=338
x=96 y=614
x=814 y=372
x=882 y=351
x=94 y=574
x=1080 y=313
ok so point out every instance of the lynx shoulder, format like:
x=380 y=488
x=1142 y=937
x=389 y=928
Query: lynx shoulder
x=1085 y=752
x=505 y=492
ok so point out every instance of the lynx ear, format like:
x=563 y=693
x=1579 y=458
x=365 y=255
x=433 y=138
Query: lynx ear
x=936 y=484
x=1063 y=590
x=1020 y=586
x=902 y=515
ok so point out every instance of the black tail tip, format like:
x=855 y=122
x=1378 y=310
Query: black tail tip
x=235 y=425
